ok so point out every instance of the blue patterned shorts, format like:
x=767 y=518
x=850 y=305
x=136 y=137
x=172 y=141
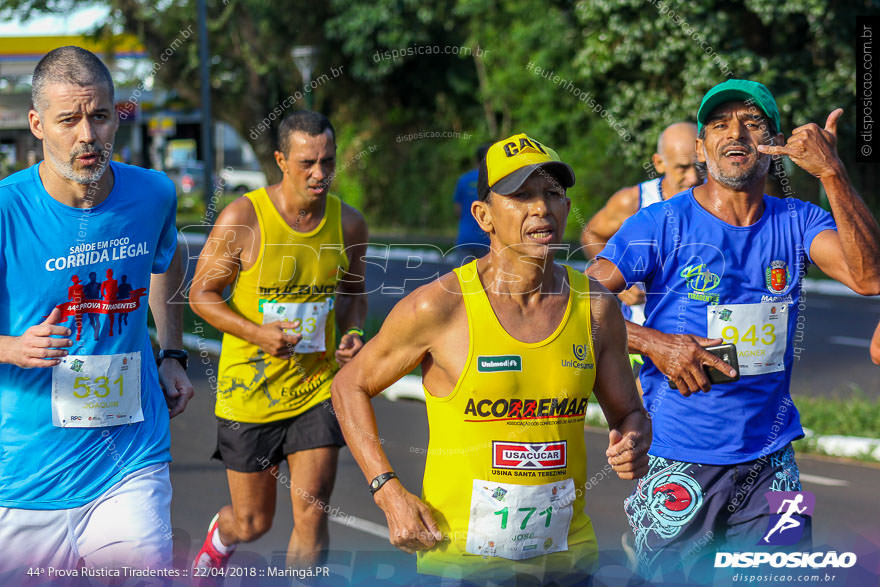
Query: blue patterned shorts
x=681 y=512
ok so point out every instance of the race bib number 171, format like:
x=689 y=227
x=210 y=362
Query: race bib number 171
x=519 y=521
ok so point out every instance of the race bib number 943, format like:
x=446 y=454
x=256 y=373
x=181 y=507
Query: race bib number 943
x=519 y=521
x=89 y=391
x=759 y=331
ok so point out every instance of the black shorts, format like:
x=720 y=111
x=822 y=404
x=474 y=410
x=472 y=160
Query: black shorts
x=251 y=448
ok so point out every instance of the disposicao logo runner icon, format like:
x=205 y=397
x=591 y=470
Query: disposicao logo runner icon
x=788 y=513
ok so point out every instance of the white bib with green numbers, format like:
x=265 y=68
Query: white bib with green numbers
x=90 y=391
x=519 y=521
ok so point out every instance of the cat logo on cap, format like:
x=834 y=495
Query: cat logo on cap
x=525 y=146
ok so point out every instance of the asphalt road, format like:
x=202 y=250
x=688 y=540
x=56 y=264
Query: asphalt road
x=835 y=358
x=833 y=361
x=846 y=517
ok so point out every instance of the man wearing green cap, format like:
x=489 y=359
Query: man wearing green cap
x=723 y=264
x=511 y=346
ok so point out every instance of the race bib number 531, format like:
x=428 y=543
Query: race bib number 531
x=759 y=331
x=89 y=391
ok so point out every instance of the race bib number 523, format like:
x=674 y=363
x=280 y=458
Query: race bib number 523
x=310 y=319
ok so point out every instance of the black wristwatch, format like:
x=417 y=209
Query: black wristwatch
x=380 y=480
x=178 y=355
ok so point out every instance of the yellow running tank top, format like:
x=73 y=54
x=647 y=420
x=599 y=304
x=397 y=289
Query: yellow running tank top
x=507 y=465
x=293 y=278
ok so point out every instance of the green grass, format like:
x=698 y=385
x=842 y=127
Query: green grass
x=852 y=415
x=194 y=324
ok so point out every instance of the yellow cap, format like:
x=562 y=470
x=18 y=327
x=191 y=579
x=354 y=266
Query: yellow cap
x=510 y=162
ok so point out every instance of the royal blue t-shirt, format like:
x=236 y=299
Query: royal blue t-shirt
x=469 y=232
x=709 y=278
x=95 y=265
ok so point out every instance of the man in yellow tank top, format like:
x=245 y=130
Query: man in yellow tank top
x=292 y=255
x=511 y=347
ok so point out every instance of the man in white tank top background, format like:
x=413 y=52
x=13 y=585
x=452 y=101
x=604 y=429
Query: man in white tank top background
x=675 y=162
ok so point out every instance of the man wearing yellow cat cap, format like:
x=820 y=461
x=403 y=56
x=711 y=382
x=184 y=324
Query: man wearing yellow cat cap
x=511 y=347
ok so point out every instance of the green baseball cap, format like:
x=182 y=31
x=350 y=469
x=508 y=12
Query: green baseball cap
x=738 y=90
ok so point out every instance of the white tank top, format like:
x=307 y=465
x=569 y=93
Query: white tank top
x=650 y=192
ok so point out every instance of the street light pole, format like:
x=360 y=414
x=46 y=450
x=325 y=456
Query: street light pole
x=207 y=133
x=305 y=57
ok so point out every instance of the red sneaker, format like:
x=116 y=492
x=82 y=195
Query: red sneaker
x=209 y=557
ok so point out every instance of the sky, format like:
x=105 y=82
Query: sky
x=78 y=21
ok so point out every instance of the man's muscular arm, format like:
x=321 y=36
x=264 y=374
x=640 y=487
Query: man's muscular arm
x=351 y=299
x=166 y=302
x=851 y=254
x=623 y=204
x=234 y=241
x=406 y=337
x=629 y=436
x=680 y=357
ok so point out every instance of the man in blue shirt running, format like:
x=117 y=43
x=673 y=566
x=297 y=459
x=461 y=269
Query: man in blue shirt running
x=84 y=444
x=471 y=241
x=724 y=263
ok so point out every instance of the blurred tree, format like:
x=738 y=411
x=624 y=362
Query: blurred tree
x=422 y=84
x=488 y=90
x=413 y=95
x=663 y=55
x=252 y=69
x=529 y=83
x=386 y=99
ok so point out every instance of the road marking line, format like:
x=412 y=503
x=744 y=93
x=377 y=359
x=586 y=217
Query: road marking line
x=850 y=341
x=819 y=480
x=361 y=524
x=407 y=387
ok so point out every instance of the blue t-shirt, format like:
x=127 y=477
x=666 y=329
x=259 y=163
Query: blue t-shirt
x=469 y=232
x=59 y=256
x=709 y=278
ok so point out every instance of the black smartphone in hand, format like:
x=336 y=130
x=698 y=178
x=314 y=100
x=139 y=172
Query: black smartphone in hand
x=725 y=352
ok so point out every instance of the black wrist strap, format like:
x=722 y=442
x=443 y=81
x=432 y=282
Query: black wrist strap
x=178 y=355
x=380 y=480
